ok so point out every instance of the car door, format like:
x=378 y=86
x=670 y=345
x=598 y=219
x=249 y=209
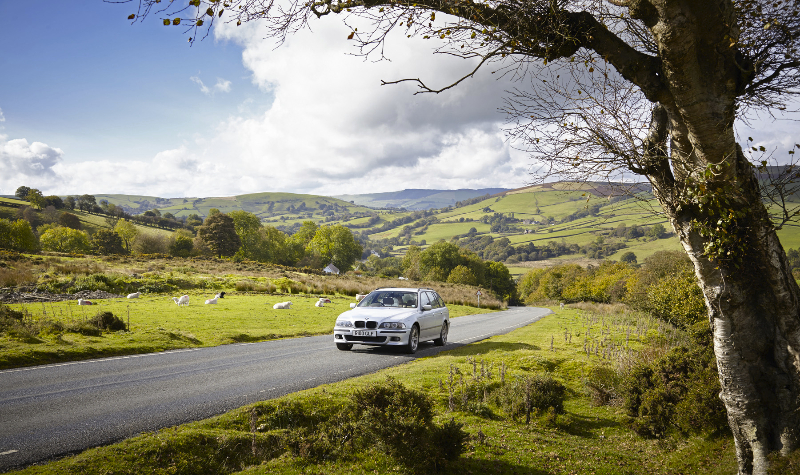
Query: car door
x=441 y=314
x=427 y=318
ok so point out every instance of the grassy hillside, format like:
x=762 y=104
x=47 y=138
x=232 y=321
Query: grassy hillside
x=415 y=199
x=264 y=205
x=562 y=213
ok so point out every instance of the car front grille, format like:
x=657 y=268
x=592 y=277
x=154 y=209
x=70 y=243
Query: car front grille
x=363 y=324
x=366 y=339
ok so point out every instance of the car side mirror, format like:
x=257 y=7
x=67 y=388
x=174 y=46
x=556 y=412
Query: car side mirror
x=352 y=305
x=426 y=307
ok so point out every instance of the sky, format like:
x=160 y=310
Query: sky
x=90 y=103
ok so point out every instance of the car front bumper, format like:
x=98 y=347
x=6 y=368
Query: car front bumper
x=382 y=338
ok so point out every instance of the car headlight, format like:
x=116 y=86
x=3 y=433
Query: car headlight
x=393 y=325
x=344 y=323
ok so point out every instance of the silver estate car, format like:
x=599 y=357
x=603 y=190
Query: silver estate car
x=394 y=317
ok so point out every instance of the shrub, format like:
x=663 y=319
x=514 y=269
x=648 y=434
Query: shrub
x=9 y=318
x=789 y=465
x=523 y=396
x=601 y=385
x=400 y=420
x=108 y=321
x=146 y=243
x=677 y=392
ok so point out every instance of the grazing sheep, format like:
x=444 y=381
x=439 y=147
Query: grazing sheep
x=220 y=295
x=282 y=305
x=562 y=305
x=212 y=301
x=360 y=297
x=134 y=295
x=184 y=300
x=319 y=303
x=84 y=302
x=325 y=300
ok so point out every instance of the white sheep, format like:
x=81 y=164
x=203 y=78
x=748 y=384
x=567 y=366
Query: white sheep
x=319 y=303
x=282 y=305
x=84 y=302
x=212 y=301
x=134 y=295
x=325 y=300
x=184 y=300
x=360 y=297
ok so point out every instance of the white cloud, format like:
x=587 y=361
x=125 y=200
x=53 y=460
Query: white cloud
x=30 y=164
x=222 y=85
x=203 y=88
x=2 y=117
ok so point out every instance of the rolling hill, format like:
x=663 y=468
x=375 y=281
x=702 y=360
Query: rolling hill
x=564 y=215
x=414 y=199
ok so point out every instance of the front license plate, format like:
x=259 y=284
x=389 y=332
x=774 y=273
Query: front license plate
x=364 y=333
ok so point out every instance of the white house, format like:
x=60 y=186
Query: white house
x=331 y=269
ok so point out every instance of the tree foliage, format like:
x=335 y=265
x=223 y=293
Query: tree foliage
x=219 y=233
x=336 y=244
x=61 y=239
x=128 y=232
x=107 y=242
x=17 y=235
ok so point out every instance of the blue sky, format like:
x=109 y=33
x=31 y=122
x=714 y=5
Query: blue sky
x=79 y=76
x=90 y=103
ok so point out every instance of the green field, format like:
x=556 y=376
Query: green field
x=584 y=439
x=158 y=324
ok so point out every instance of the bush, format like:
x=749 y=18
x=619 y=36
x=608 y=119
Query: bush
x=400 y=420
x=9 y=318
x=677 y=392
x=146 y=243
x=396 y=420
x=539 y=393
x=108 y=321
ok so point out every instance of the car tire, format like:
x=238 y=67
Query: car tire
x=344 y=346
x=442 y=340
x=413 y=340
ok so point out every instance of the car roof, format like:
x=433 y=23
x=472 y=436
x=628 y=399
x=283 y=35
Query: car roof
x=405 y=289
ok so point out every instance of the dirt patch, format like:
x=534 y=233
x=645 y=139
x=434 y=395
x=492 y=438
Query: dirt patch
x=21 y=296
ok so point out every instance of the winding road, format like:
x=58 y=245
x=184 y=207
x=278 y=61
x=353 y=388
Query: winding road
x=53 y=410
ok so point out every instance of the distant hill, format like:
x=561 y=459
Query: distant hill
x=263 y=205
x=416 y=199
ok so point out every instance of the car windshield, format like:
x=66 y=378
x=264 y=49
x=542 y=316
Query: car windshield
x=390 y=298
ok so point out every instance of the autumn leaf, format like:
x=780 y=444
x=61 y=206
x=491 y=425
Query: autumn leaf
x=350 y=36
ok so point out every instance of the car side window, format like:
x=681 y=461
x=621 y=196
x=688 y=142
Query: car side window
x=432 y=297
x=439 y=300
x=426 y=300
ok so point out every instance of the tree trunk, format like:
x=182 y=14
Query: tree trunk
x=754 y=312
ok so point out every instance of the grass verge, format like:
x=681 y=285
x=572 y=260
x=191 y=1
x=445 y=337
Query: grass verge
x=465 y=385
x=157 y=324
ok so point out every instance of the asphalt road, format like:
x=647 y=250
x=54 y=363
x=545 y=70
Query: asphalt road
x=53 y=410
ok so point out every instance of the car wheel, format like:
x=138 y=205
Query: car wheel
x=413 y=340
x=442 y=340
x=344 y=346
